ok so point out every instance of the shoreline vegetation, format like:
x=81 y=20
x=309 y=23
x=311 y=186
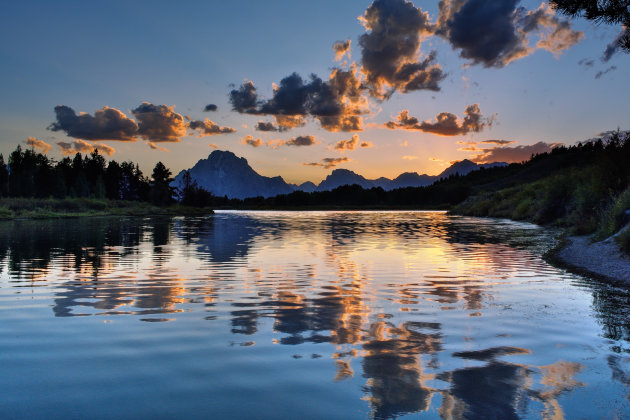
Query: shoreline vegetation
x=583 y=189
x=54 y=208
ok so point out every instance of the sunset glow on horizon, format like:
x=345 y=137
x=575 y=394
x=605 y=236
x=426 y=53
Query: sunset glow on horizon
x=301 y=88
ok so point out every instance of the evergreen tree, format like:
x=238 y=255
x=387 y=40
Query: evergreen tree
x=161 y=191
x=4 y=178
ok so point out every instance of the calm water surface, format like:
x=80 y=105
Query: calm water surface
x=304 y=315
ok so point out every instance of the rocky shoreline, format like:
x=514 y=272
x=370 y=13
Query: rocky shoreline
x=604 y=259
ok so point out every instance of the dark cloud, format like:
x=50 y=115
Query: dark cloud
x=499 y=142
x=614 y=46
x=391 y=47
x=210 y=108
x=603 y=72
x=513 y=154
x=251 y=141
x=209 y=128
x=245 y=98
x=495 y=33
x=341 y=48
x=37 y=144
x=445 y=124
x=266 y=126
x=336 y=103
x=328 y=163
x=106 y=124
x=159 y=123
x=295 y=141
x=586 y=62
x=80 y=146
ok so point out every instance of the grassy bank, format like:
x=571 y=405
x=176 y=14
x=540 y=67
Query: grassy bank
x=577 y=201
x=34 y=208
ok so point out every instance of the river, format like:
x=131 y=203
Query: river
x=304 y=315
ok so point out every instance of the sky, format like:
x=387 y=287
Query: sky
x=300 y=88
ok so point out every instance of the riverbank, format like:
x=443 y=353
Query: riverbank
x=35 y=208
x=603 y=259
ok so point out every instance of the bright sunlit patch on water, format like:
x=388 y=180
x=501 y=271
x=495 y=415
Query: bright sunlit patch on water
x=304 y=314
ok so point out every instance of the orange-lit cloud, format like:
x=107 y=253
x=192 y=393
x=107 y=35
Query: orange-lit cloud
x=408 y=157
x=328 y=163
x=341 y=48
x=80 y=146
x=156 y=147
x=351 y=144
x=498 y=142
x=445 y=124
x=209 y=128
x=213 y=145
x=37 y=144
x=251 y=141
x=106 y=124
x=337 y=103
x=159 y=123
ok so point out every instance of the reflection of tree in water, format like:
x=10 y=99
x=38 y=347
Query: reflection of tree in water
x=32 y=244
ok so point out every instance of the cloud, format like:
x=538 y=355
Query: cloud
x=213 y=145
x=498 y=142
x=337 y=103
x=470 y=149
x=495 y=33
x=209 y=128
x=613 y=47
x=408 y=157
x=586 y=62
x=266 y=126
x=434 y=159
x=445 y=124
x=390 y=49
x=513 y=154
x=37 y=144
x=106 y=124
x=328 y=163
x=287 y=122
x=296 y=141
x=250 y=140
x=341 y=48
x=159 y=123
x=284 y=123
x=351 y=144
x=80 y=146
x=556 y=35
x=156 y=147
x=210 y=108
x=603 y=72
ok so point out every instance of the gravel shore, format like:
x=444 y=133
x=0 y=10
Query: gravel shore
x=602 y=258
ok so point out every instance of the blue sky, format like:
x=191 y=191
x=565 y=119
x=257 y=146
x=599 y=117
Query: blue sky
x=87 y=55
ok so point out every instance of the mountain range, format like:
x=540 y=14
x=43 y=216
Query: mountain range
x=225 y=174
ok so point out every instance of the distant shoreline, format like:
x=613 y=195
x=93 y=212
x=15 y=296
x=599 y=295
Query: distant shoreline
x=52 y=208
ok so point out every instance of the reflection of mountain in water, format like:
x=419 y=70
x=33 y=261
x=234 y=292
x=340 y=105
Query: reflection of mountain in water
x=228 y=238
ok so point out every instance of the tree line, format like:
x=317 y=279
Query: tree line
x=34 y=175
